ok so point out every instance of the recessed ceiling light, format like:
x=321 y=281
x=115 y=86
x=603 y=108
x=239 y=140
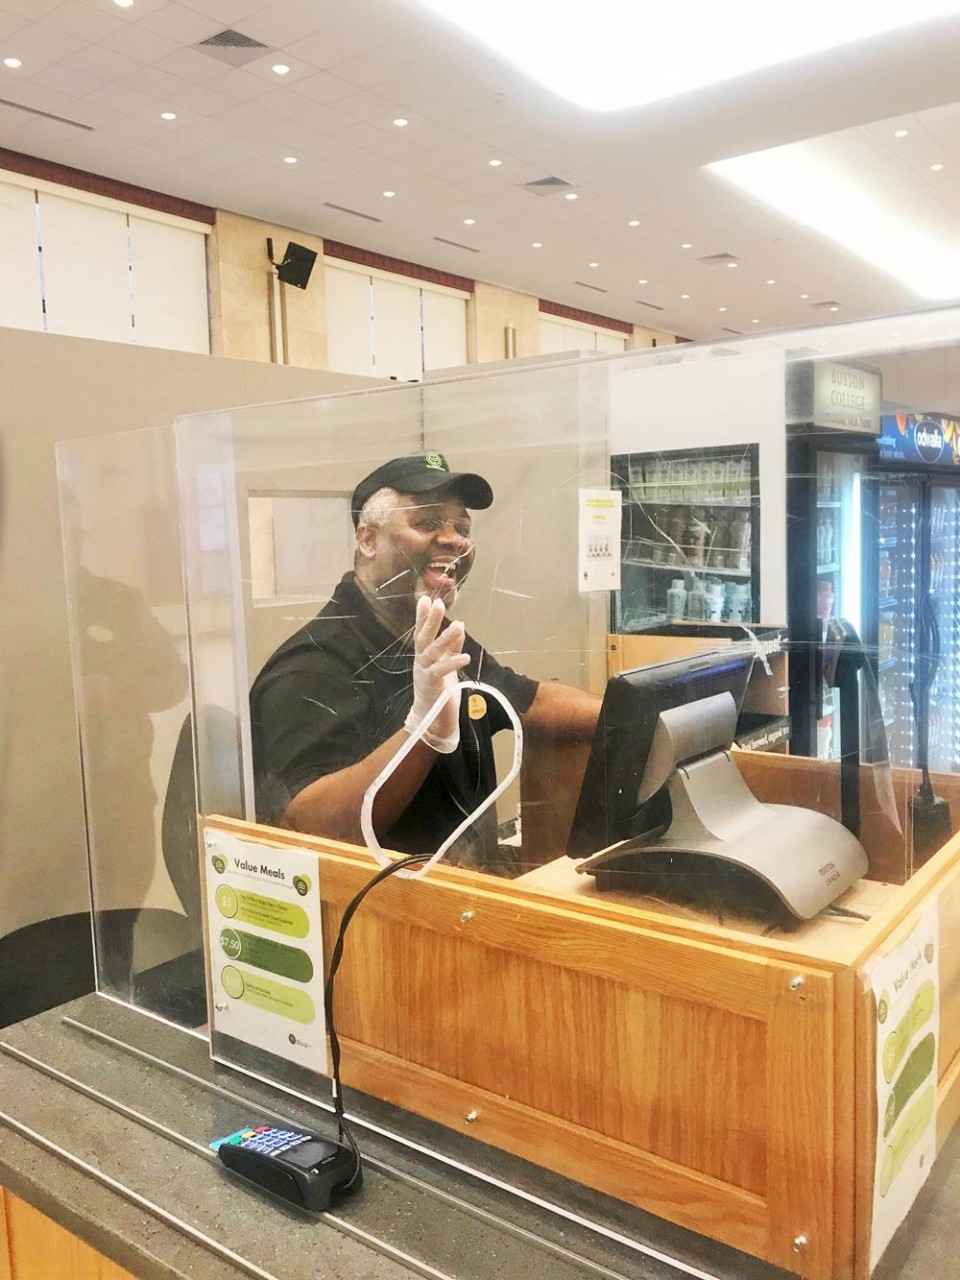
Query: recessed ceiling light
x=571 y=195
x=721 y=308
x=123 y=4
x=804 y=295
x=537 y=244
x=593 y=264
x=469 y=222
x=12 y=63
x=389 y=194
x=731 y=265
x=900 y=133
x=634 y=222
x=601 y=75
x=834 y=308
x=936 y=167
x=495 y=164
x=686 y=245
x=401 y=123
x=168 y=115
x=289 y=159
x=643 y=282
x=771 y=282
x=280 y=69
x=684 y=296
x=754 y=321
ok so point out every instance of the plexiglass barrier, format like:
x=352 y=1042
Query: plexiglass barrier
x=784 y=532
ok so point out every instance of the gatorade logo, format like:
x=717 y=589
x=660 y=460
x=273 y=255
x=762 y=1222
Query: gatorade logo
x=435 y=461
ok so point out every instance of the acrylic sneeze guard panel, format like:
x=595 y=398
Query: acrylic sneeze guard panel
x=259 y=486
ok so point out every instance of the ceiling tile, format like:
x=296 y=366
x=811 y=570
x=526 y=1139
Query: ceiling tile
x=101 y=62
x=67 y=79
x=139 y=43
x=91 y=113
x=208 y=129
x=30 y=8
x=134 y=129
x=47 y=42
x=89 y=22
x=327 y=46
x=229 y=12
x=246 y=118
x=239 y=84
x=159 y=84
x=192 y=65
x=204 y=100
x=280 y=25
x=178 y=23
x=324 y=88
x=118 y=98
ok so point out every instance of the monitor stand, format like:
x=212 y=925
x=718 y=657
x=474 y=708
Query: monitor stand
x=804 y=857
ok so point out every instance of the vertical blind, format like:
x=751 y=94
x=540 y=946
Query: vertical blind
x=391 y=327
x=83 y=268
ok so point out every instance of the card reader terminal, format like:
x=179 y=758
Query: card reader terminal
x=298 y=1166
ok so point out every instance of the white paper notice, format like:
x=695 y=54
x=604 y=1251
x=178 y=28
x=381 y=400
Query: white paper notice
x=265 y=947
x=906 y=987
x=599 y=540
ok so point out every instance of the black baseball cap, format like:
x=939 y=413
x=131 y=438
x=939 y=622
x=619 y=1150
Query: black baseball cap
x=422 y=473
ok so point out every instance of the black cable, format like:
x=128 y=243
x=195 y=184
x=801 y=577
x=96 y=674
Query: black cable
x=336 y=956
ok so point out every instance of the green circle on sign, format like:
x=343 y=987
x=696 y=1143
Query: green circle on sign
x=232 y=980
x=302 y=885
x=230 y=943
x=227 y=901
x=219 y=864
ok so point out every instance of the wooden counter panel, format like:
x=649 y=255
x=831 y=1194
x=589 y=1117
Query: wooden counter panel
x=654 y=1072
x=705 y=1205
x=40 y=1249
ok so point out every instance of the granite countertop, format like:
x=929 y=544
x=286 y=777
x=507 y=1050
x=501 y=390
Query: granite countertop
x=417 y=1215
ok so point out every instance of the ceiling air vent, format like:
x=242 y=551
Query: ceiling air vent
x=455 y=244
x=546 y=186
x=232 y=47
x=639 y=302
x=829 y=304
x=719 y=259
x=354 y=213
x=737 y=333
x=595 y=287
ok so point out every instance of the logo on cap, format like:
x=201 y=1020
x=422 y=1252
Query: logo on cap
x=436 y=461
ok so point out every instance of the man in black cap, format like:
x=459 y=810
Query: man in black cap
x=338 y=699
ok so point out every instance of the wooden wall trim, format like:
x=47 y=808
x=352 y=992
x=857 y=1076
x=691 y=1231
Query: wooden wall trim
x=563 y=312
x=380 y=261
x=112 y=188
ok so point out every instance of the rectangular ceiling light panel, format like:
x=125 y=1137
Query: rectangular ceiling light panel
x=900 y=230
x=615 y=54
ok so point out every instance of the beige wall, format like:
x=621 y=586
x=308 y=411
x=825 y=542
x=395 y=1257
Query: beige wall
x=240 y=279
x=489 y=312
x=642 y=337
x=57 y=388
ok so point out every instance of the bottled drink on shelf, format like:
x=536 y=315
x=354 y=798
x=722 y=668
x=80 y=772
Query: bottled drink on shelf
x=697 y=602
x=714 y=600
x=828 y=539
x=676 y=601
x=696 y=539
x=886 y=572
x=740 y=538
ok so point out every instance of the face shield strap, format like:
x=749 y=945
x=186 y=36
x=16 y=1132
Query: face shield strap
x=366 y=809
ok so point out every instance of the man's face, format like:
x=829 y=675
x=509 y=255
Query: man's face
x=422 y=547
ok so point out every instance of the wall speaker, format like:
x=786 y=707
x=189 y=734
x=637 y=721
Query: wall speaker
x=296 y=265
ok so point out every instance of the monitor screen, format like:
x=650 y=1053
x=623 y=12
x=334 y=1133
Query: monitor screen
x=610 y=808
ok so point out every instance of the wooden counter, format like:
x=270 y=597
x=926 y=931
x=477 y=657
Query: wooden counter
x=721 y=1077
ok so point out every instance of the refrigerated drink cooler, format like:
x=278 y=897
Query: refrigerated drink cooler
x=690 y=544
x=872 y=534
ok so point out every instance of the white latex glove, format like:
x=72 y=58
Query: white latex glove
x=438 y=658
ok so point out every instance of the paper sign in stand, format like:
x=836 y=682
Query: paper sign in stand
x=265 y=948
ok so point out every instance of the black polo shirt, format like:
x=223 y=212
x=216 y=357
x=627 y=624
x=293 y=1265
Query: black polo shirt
x=340 y=687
